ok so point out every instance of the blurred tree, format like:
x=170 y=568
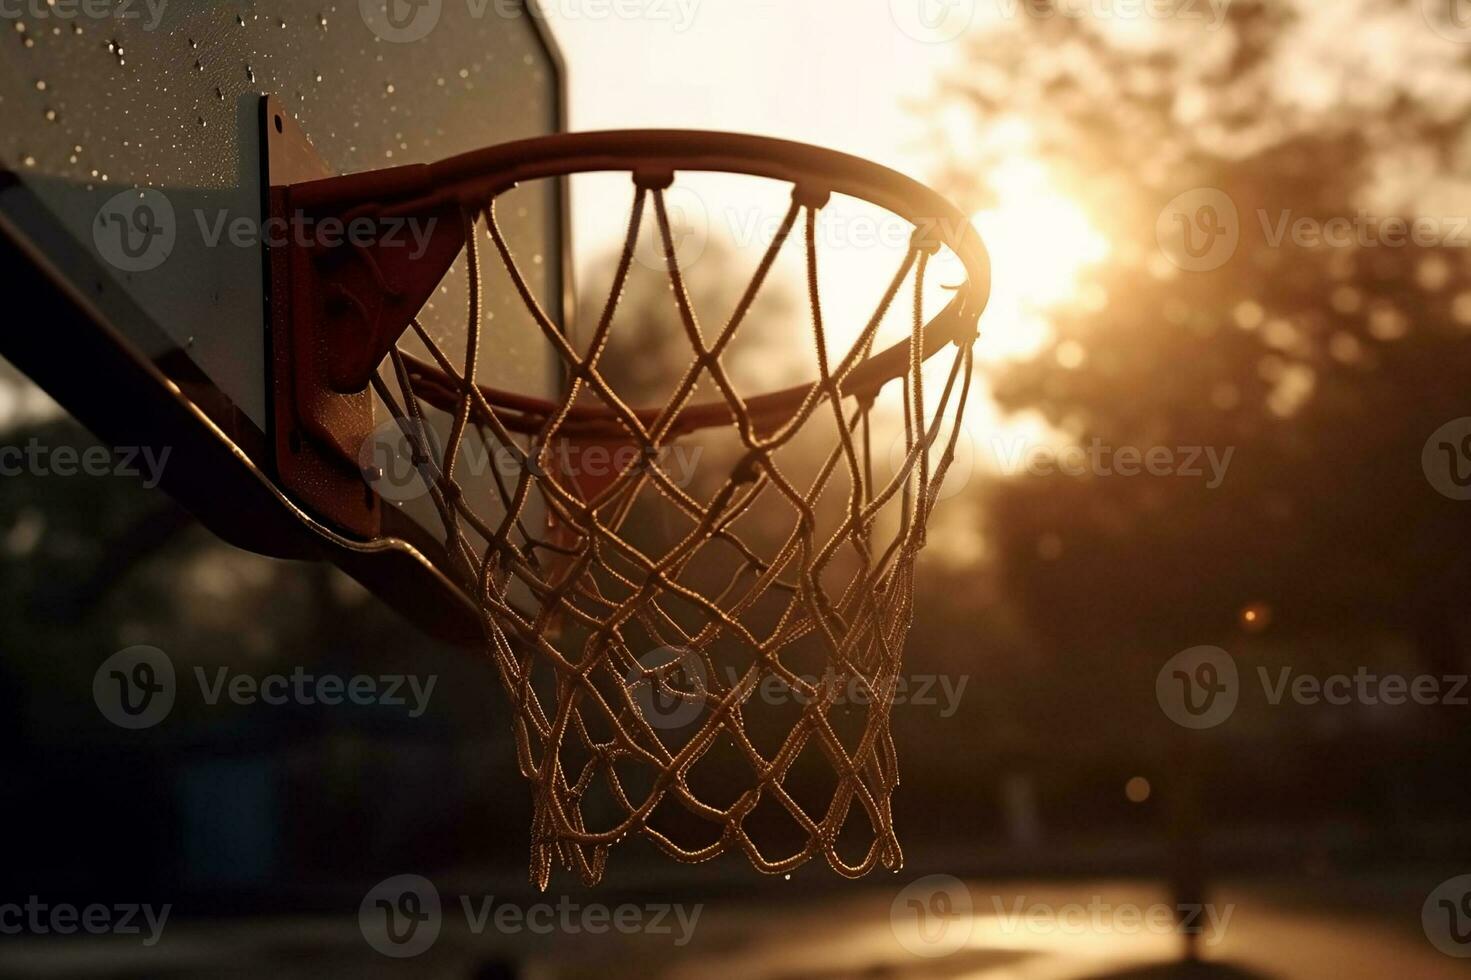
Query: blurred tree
x=648 y=351
x=1324 y=367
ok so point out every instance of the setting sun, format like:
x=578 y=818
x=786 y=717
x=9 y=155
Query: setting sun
x=1041 y=243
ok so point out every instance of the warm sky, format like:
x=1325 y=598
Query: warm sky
x=851 y=76
x=833 y=72
x=838 y=73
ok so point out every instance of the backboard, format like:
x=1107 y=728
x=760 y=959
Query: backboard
x=322 y=391
x=132 y=161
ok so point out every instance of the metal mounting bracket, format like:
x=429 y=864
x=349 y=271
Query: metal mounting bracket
x=341 y=288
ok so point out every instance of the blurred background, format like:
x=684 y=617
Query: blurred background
x=1221 y=405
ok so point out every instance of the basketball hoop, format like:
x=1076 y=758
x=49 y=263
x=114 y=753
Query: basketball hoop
x=572 y=609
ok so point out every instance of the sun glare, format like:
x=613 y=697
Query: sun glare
x=1041 y=243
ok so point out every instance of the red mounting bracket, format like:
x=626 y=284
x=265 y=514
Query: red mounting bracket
x=342 y=287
